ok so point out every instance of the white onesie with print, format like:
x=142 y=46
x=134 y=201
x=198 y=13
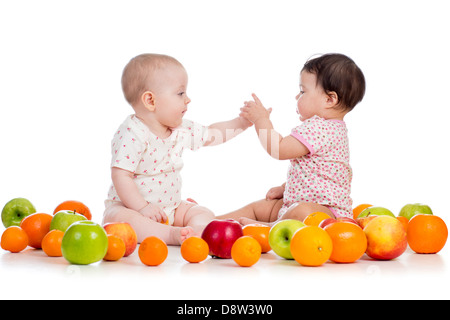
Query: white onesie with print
x=156 y=163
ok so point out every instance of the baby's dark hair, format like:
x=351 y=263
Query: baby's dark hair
x=338 y=73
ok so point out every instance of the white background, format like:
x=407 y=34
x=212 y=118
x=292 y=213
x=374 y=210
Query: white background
x=61 y=100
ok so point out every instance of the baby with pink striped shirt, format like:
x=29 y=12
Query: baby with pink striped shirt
x=319 y=176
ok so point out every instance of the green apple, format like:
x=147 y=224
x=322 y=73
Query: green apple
x=280 y=236
x=376 y=211
x=410 y=210
x=15 y=210
x=64 y=218
x=84 y=242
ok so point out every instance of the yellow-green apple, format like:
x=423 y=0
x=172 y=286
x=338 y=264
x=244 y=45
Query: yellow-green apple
x=15 y=210
x=376 y=211
x=84 y=242
x=280 y=236
x=64 y=218
x=386 y=238
x=220 y=236
x=124 y=231
x=410 y=210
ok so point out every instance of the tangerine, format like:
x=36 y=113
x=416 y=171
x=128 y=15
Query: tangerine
x=315 y=218
x=426 y=233
x=311 y=246
x=261 y=234
x=153 y=251
x=36 y=225
x=358 y=209
x=75 y=206
x=51 y=243
x=116 y=248
x=194 y=249
x=14 y=239
x=404 y=222
x=349 y=242
x=246 y=251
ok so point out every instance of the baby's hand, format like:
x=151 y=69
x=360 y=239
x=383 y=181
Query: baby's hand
x=245 y=123
x=254 y=110
x=275 y=193
x=154 y=213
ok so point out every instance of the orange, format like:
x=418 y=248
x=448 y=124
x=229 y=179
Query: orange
x=261 y=234
x=358 y=209
x=36 y=225
x=14 y=239
x=76 y=206
x=246 y=251
x=116 y=248
x=404 y=222
x=194 y=249
x=51 y=244
x=153 y=251
x=426 y=233
x=315 y=218
x=349 y=242
x=311 y=246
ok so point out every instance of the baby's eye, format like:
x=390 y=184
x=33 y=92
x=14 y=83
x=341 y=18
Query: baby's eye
x=181 y=93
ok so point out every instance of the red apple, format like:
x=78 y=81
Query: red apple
x=220 y=236
x=124 y=231
x=345 y=219
x=329 y=221
x=386 y=238
x=326 y=222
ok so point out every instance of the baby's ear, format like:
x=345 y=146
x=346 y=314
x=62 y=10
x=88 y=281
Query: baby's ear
x=332 y=99
x=148 y=99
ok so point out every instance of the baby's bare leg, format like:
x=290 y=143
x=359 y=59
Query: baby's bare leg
x=265 y=211
x=302 y=209
x=190 y=214
x=145 y=227
x=298 y=211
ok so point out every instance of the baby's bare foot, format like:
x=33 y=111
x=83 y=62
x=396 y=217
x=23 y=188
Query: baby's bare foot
x=185 y=233
x=179 y=234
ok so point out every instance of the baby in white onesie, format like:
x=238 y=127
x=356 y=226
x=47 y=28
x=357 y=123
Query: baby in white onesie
x=147 y=152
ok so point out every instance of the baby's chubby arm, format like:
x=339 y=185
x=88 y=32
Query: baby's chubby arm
x=130 y=196
x=221 y=132
x=276 y=192
x=276 y=145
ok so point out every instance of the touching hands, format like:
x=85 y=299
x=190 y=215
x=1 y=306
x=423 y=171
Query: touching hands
x=254 y=111
x=154 y=213
x=244 y=122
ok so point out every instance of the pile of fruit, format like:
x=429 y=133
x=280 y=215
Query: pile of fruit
x=374 y=231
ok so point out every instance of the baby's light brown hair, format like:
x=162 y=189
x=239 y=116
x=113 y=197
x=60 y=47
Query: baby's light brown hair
x=138 y=73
